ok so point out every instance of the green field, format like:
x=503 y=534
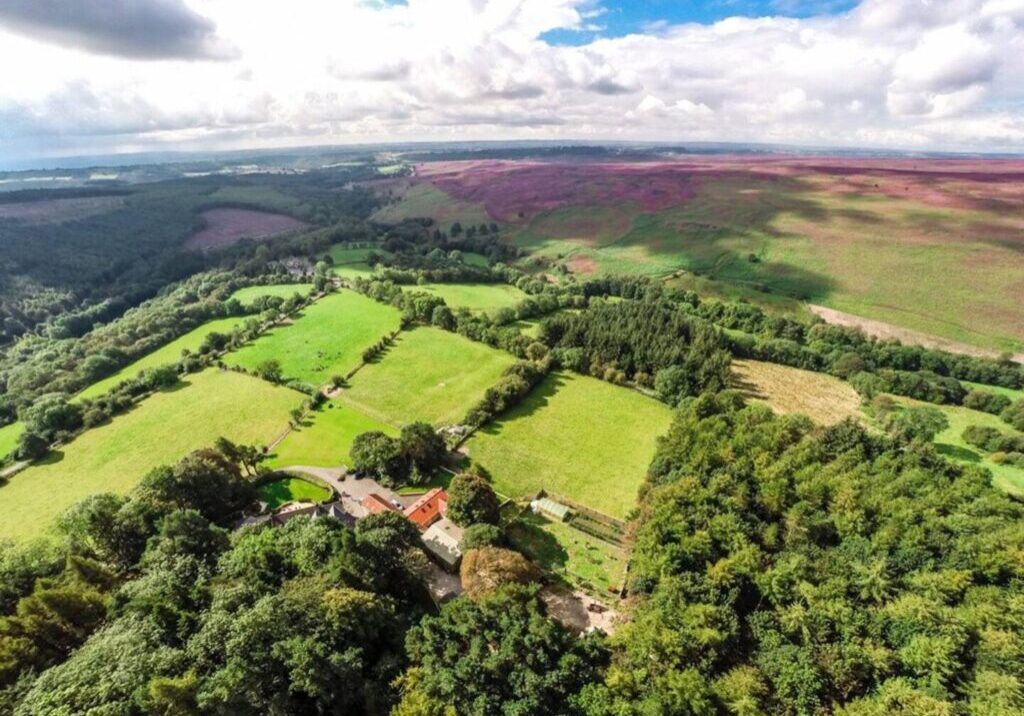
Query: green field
x=426 y=200
x=1008 y=392
x=285 y=290
x=487 y=297
x=168 y=353
x=950 y=443
x=267 y=198
x=817 y=239
x=160 y=430
x=325 y=438
x=9 y=435
x=327 y=339
x=580 y=559
x=291 y=489
x=576 y=436
x=343 y=254
x=428 y=375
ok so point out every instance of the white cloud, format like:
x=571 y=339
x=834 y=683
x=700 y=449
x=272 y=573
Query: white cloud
x=921 y=73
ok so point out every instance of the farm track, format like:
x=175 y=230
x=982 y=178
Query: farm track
x=881 y=329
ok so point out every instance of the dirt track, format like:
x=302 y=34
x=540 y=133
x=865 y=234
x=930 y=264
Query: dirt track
x=880 y=329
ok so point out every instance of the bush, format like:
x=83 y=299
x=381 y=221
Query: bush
x=1014 y=414
x=986 y=402
x=481 y=535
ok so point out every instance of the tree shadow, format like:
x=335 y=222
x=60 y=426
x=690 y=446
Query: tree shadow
x=51 y=458
x=535 y=400
x=956 y=452
x=529 y=536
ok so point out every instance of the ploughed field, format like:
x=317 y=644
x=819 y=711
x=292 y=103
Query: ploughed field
x=936 y=246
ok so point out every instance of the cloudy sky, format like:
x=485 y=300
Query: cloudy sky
x=104 y=76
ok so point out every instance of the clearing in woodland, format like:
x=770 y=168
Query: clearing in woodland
x=486 y=297
x=158 y=431
x=950 y=443
x=429 y=375
x=327 y=339
x=823 y=398
x=575 y=436
x=223 y=227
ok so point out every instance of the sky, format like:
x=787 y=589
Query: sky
x=109 y=76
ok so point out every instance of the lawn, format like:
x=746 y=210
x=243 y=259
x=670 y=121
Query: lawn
x=327 y=339
x=950 y=443
x=429 y=375
x=485 y=297
x=158 y=431
x=324 y=440
x=9 y=435
x=580 y=559
x=576 y=436
x=291 y=489
x=168 y=353
x=284 y=290
x=1008 y=392
x=823 y=398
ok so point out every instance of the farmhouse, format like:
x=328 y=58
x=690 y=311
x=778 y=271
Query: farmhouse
x=428 y=509
x=441 y=536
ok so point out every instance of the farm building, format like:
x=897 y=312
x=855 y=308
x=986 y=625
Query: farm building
x=374 y=503
x=552 y=510
x=428 y=509
x=442 y=541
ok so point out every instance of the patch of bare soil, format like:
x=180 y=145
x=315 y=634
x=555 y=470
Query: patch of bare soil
x=224 y=227
x=883 y=330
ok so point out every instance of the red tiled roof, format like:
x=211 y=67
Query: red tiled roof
x=374 y=504
x=428 y=509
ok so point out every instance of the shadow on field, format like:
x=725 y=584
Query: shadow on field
x=957 y=453
x=537 y=399
x=528 y=535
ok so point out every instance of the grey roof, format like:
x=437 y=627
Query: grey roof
x=442 y=540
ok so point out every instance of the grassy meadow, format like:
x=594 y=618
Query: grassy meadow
x=428 y=375
x=325 y=437
x=9 y=435
x=951 y=443
x=484 y=297
x=576 y=436
x=813 y=238
x=326 y=339
x=160 y=430
x=168 y=353
x=291 y=489
x=426 y=200
x=249 y=294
